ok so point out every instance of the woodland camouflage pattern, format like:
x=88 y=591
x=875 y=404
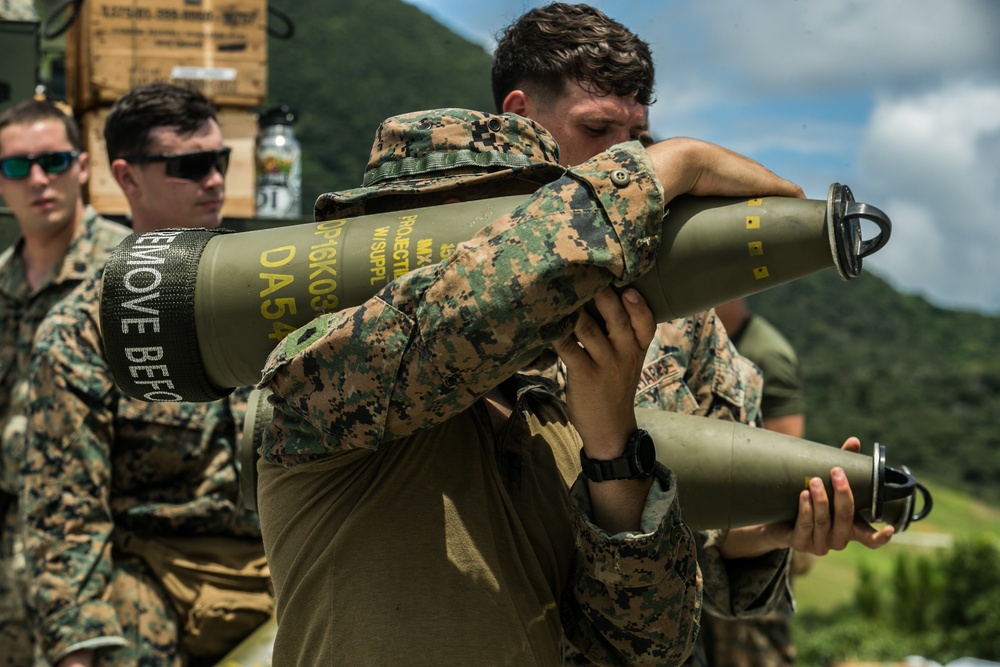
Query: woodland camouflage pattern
x=692 y=367
x=20 y=314
x=454 y=330
x=98 y=460
x=441 y=149
x=431 y=343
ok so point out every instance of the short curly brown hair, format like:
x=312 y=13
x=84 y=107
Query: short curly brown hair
x=549 y=46
x=148 y=106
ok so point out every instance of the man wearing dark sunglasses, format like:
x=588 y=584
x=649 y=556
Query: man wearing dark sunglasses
x=117 y=491
x=172 y=175
x=61 y=242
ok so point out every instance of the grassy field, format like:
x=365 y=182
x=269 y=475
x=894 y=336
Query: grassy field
x=832 y=579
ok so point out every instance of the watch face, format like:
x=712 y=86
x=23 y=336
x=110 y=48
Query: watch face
x=645 y=452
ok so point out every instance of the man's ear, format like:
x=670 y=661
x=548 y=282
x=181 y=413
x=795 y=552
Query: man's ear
x=125 y=177
x=517 y=101
x=84 y=161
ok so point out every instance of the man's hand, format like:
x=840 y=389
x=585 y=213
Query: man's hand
x=817 y=529
x=689 y=166
x=603 y=372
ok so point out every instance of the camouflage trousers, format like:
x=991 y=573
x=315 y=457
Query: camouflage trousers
x=757 y=642
x=149 y=621
x=149 y=624
x=17 y=646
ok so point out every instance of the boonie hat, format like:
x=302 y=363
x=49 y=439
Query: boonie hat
x=443 y=149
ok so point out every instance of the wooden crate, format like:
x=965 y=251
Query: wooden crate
x=220 y=47
x=239 y=131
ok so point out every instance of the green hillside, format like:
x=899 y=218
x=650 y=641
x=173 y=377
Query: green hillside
x=830 y=583
x=889 y=368
x=352 y=63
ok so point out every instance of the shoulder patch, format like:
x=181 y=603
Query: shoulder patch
x=302 y=338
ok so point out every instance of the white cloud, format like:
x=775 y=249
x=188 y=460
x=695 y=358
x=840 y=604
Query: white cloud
x=852 y=43
x=935 y=158
x=900 y=99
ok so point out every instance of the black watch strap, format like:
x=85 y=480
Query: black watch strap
x=636 y=461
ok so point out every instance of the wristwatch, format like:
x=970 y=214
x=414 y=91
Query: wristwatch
x=636 y=461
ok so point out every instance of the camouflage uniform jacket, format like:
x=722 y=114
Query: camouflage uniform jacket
x=98 y=460
x=693 y=368
x=21 y=311
x=354 y=388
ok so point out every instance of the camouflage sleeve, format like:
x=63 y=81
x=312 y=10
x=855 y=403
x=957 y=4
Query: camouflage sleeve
x=753 y=382
x=742 y=587
x=635 y=598
x=66 y=480
x=727 y=385
x=434 y=340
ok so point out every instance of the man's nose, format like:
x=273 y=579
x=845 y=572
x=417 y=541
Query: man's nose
x=37 y=175
x=214 y=179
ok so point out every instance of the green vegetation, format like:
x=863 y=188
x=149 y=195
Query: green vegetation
x=943 y=605
x=893 y=369
x=831 y=582
x=353 y=63
x=910 y=597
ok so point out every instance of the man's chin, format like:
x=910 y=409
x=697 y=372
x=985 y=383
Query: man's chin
x=210 y=218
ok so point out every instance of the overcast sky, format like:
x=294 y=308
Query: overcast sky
x=899 y=99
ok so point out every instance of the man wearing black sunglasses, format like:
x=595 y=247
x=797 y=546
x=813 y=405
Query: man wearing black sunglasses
x=61 y=242
x=118 y=491
x=171 y=171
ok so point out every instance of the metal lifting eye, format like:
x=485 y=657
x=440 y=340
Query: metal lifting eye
x=845 y=217
x=859 y=211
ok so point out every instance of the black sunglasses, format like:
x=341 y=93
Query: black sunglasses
x=190 y=166
x=19 y=166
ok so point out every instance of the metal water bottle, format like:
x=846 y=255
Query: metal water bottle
x=279 y=165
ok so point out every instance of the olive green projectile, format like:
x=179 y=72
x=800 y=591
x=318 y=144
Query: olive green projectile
x=729 y=475
x=191 y=314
